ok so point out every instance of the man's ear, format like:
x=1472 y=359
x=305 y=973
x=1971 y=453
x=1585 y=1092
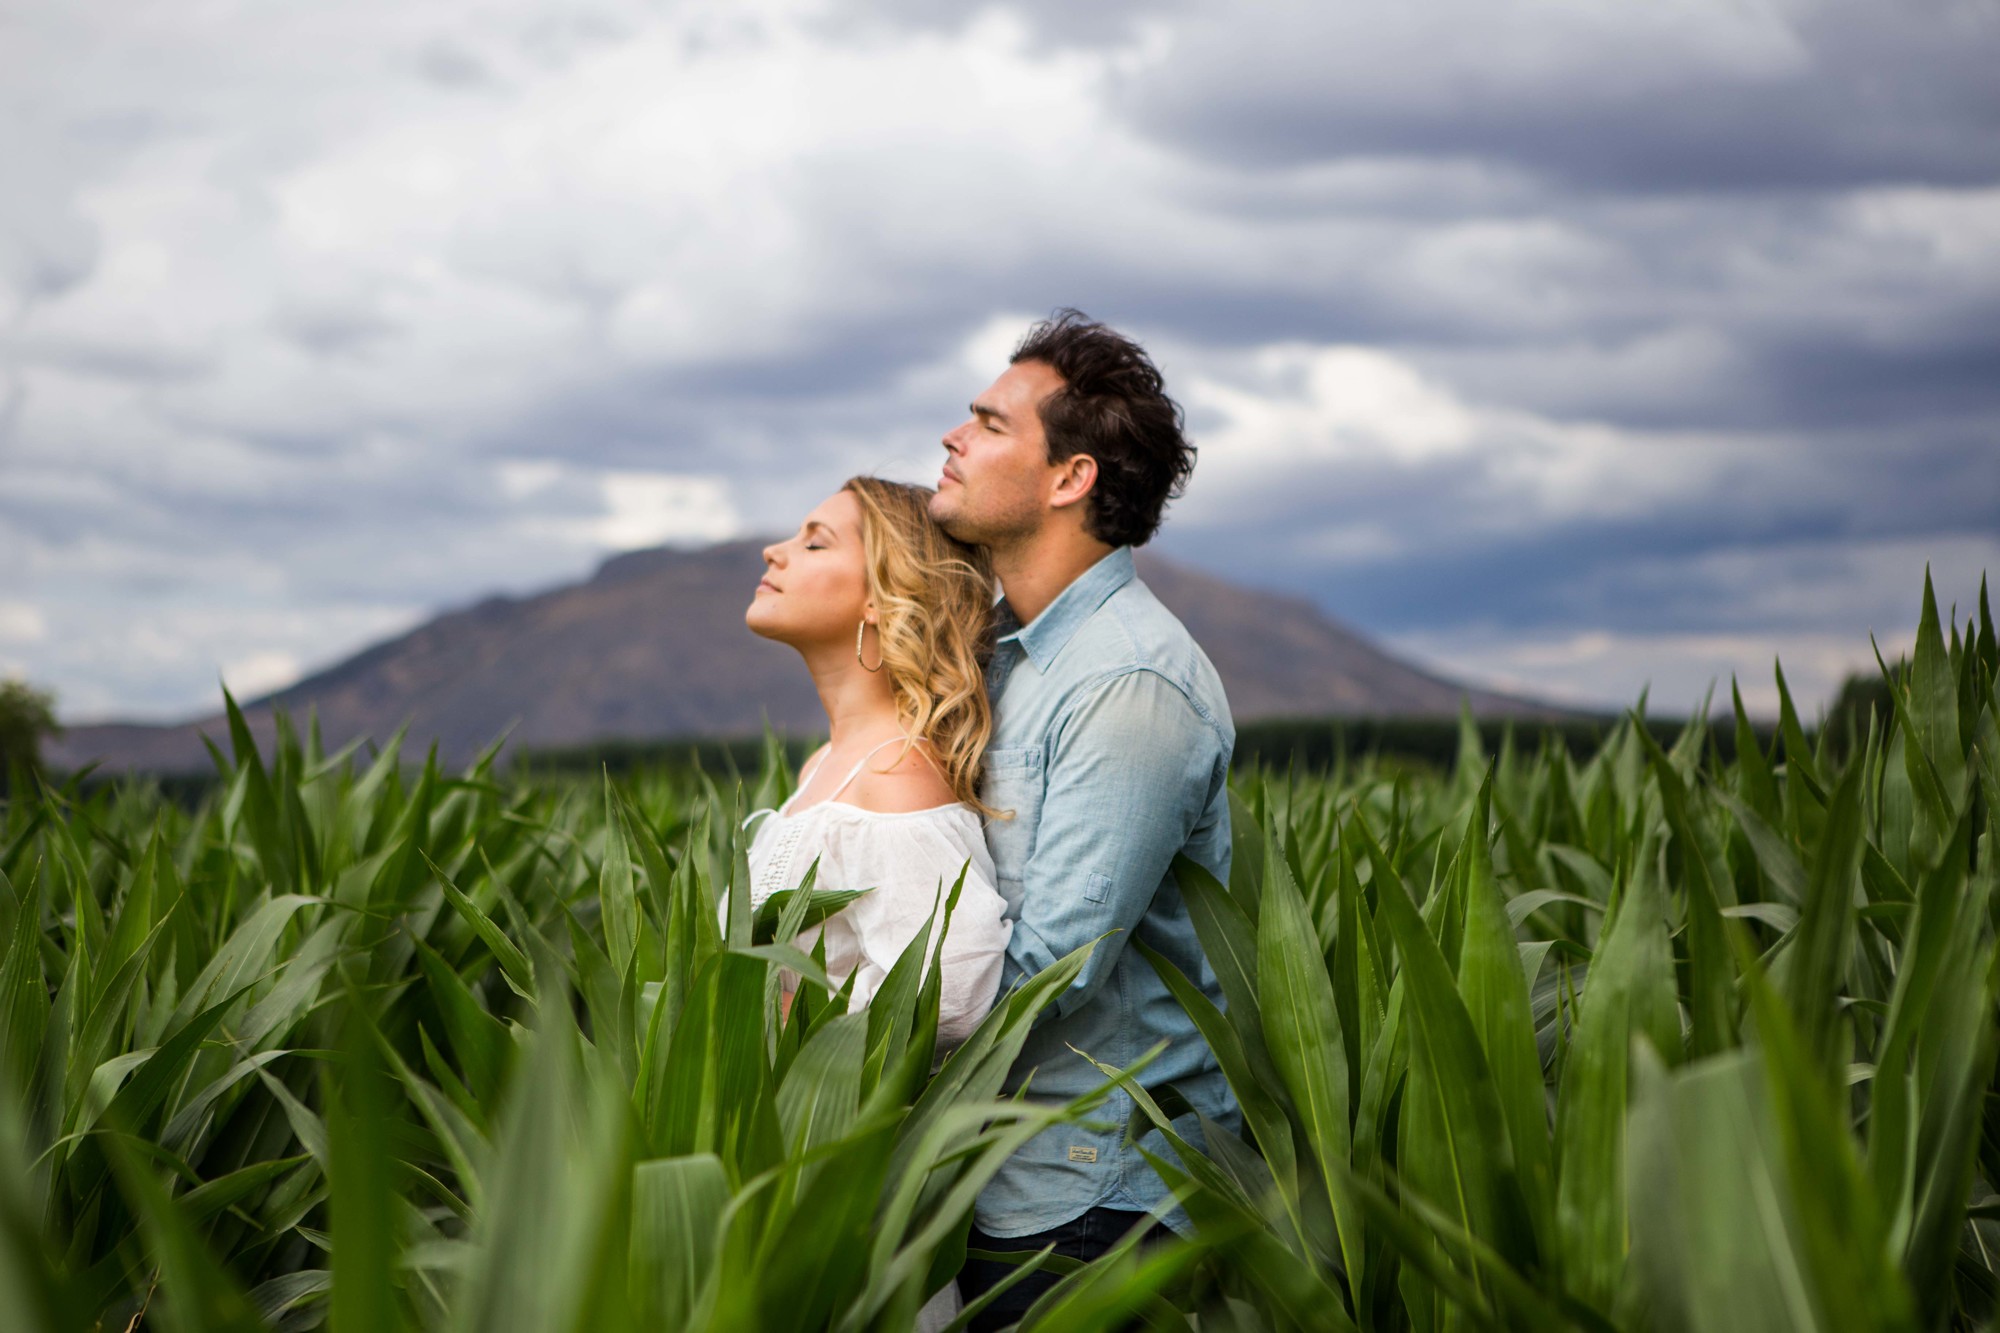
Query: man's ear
x=1076 y=476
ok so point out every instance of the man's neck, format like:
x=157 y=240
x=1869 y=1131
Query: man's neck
x=1034 y=572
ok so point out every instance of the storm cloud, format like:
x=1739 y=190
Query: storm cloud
x=1568 y=346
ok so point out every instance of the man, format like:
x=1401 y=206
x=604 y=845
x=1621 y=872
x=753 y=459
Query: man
x=1111 y=749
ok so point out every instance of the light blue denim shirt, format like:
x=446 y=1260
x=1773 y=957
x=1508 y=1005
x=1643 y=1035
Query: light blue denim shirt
x=1111 y=747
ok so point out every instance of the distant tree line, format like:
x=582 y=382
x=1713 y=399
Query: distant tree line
x=26 y=716
x=1308 y=744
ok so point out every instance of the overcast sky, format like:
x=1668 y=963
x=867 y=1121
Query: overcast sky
x=1566 y=345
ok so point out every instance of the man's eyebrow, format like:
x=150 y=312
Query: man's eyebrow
x=982 y=410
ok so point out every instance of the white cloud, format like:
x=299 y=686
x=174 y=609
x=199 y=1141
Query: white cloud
x=521 y=478
x=1608 y=670
x=22 y=622
x=654 y=508
x=1301 y=420
x=109 y=661
x=260 y=673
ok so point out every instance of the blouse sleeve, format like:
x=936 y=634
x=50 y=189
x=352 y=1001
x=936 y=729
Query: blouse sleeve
x=905 y=861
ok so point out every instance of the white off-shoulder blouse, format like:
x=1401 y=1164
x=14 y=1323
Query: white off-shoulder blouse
x=902 y=857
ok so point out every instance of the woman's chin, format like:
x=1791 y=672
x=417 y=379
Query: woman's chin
x=760 y=623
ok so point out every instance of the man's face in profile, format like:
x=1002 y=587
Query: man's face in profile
x=997 y=477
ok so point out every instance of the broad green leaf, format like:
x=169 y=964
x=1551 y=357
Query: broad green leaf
x=1495 y=991
x=1455 y=1150
x=1814 y=965
x=197 y=1295
x=1296 y=1001
x=1716 y=1245
x=364 y=1221
x=617 y=896
x=677 y=1205
x=1628 y=994
x=1708 y=892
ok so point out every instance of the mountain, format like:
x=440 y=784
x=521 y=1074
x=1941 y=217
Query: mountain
x=653 y=645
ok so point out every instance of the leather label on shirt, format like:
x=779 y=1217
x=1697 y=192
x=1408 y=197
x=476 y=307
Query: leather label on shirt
x=1082 y=1154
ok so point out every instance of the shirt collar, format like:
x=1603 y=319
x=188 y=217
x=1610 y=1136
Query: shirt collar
x=1059 y=621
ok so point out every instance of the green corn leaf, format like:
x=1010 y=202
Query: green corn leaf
x=164 y=1067
x=514 y=965
x=677 y=1204
x=1246 y=862
x=1936 y=753
x=554 y=1195
x=1815 y=964
x=1709 y=891
x=1716 y=1245
x=1755 y=786
x=812 y=905
x=24 y=996
x=1456 y=1150
x=359 y=1171
x=1295 y=999
x=617 y=895
x=714 y=1076
x=1628 y=994
x=1495 y=991
x=211 y=1197
x=1229 y=941
x=1839 y=1224
x=244 y=958
x=1261 y=1111
x=197 y=1294
x=477 y=1038
x=822 y=1092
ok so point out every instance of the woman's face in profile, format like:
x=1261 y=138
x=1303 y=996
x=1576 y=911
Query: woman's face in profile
x=815 y=585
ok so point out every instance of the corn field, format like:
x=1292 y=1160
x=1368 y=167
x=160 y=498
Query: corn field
x=1647 y=1041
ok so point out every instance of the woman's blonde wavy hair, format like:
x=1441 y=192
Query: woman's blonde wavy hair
x=934 y=605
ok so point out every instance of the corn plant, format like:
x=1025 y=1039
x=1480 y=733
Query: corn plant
x=1645 y=1043
x=370 y=1048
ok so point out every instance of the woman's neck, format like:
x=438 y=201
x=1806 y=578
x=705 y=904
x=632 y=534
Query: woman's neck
x=860 y=704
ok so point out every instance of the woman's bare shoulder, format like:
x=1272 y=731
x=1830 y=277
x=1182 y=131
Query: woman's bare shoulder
x=816 y=757
x=900 y=780
x=809 y=769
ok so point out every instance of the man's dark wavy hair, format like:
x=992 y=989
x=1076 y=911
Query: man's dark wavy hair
x=1113 y=406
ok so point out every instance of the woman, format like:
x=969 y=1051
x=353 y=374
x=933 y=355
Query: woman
x=892 y=618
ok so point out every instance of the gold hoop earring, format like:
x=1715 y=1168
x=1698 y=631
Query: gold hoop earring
x=860 y=630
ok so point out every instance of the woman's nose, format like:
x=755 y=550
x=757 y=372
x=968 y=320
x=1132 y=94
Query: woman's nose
x=770 y=555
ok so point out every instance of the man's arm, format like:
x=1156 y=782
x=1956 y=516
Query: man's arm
x=1128 y=776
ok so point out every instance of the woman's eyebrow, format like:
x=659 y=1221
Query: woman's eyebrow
x=812 y=523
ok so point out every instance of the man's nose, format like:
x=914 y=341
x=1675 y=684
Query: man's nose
x=951 y=437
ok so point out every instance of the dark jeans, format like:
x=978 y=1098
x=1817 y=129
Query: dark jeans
x=1084 y=1238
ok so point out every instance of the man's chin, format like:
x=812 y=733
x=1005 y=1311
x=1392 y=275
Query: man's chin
x=944 y=512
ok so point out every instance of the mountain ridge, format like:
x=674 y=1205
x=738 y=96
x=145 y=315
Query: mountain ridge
x=652 y=645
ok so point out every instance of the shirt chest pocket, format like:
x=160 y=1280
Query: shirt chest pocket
x=1013 y=783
